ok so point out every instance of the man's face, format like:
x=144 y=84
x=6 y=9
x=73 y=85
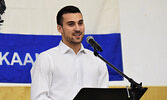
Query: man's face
x=72 y=28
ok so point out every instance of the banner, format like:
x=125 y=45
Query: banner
x=39 y=16
x=29 y=27
x=18 y=53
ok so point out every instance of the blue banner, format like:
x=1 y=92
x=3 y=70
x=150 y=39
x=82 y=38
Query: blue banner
x=19 y=52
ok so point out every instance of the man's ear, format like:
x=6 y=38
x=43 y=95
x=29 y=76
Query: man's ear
x=60 y=29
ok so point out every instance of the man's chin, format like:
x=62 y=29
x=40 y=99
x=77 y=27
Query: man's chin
x=77 y=42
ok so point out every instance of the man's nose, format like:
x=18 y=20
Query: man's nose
x=77 y=27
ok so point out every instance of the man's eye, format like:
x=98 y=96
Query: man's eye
x=70 y=24
x=80 y=23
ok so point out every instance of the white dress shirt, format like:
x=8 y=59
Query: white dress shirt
x=59 y=73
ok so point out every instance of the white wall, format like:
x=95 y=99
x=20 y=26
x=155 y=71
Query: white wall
x=144 y=38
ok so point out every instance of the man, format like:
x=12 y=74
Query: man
x=60 y=72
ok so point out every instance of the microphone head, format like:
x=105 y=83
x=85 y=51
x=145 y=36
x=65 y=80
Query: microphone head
x=89 y=38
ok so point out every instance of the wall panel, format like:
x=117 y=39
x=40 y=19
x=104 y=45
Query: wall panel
x=23 y=93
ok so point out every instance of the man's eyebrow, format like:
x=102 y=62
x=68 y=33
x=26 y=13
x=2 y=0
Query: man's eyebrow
x=74 y=21
x=70 y=22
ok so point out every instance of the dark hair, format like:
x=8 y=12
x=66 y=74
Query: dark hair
x=65 y=10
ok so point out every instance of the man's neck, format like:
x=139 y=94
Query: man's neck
x=75 y=47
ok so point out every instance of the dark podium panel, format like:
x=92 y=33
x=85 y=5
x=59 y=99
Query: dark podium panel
x=108 y=94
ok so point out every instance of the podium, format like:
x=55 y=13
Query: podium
x=108 y=94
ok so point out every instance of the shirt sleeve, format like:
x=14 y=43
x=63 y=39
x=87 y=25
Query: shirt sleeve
x=41 y=77
x=103 y=80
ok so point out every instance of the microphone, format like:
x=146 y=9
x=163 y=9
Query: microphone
x=93 y=43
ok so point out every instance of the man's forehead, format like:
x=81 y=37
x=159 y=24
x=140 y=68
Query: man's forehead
x=72 y=17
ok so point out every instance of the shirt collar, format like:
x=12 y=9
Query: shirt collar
x=64 y=48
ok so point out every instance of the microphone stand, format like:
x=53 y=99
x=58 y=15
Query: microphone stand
x=135 y=87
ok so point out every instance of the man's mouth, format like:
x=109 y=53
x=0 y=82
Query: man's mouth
x=77 y=34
